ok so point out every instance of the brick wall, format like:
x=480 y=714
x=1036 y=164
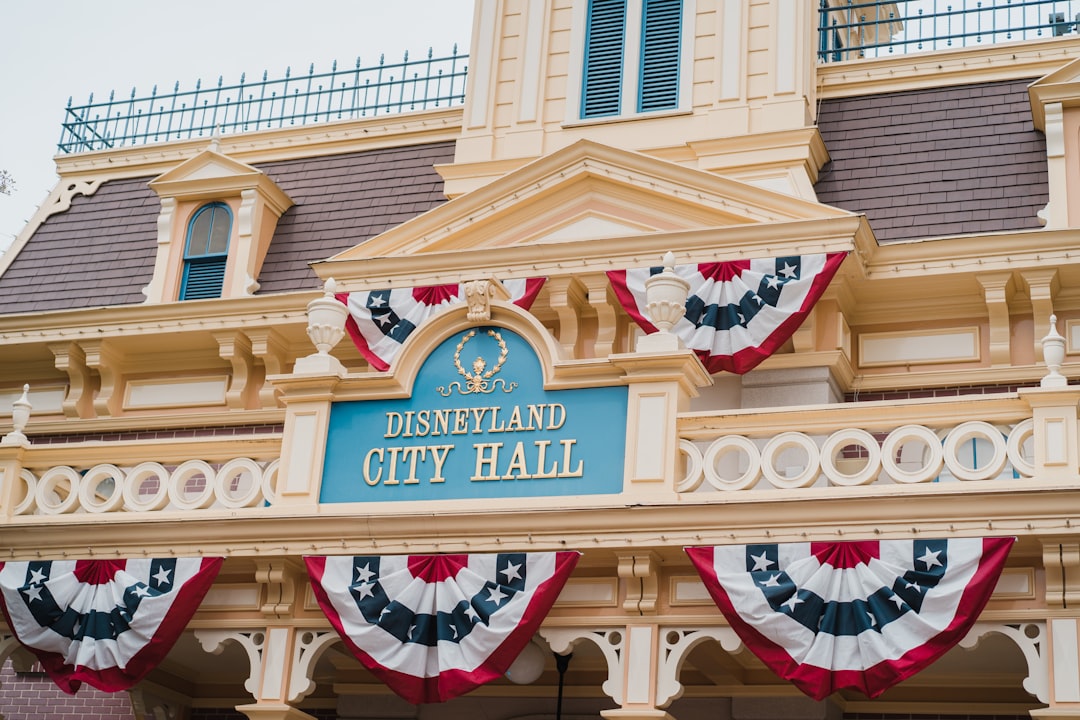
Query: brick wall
x=33 y=696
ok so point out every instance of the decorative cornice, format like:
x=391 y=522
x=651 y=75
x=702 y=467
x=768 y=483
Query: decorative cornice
x=963 y=66
x=269 y=145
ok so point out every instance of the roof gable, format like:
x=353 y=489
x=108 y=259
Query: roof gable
x=584 y=193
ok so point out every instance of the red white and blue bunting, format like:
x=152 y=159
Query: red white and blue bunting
x=739 y=312
x=380 y=320
x=863 y=615
x=434 y=627
x=104 y=622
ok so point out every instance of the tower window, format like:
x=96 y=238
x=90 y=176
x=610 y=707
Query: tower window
x=631 y=57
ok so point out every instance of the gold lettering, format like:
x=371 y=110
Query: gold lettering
x=482 y=460
x=439 y=459
x=536 y=416
x=442 y=422
x=391 y=432
x=478 y=417
x=552 y=424
x=494 y=417
x=372 y=481
x=541 y=457
x=391 y=478
x=408 y=423
x=410 y=454
x=514 y=425
x=517 y=462
x=461 y=421
x=423 y=425
x=567 y=447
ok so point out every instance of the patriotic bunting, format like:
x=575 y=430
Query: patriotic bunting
x=740 y=312
x=380 y=320
x=434 y=627
x=863 y=615
x=104 y=622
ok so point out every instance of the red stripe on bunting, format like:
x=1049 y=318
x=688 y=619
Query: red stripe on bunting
x=744 y=359
x=820 y=682
x=450 y=683
x=158 y=641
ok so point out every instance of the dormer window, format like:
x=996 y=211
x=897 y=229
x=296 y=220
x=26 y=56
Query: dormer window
x=206 y=252
x=632 y=56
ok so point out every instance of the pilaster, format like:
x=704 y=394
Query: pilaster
x=11 y=466
x=661 y=385
x=1054 y=412
x=307 y=423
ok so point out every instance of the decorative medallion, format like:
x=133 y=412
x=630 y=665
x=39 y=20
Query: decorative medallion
x=480 y=379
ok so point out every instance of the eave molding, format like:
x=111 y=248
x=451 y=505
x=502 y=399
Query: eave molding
x=594 y=522
x=214 y=314
x=935 y=69
x=258 y=146
x=980 y=253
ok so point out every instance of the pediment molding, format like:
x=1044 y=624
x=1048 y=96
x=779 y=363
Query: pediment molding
x=587 y=200
x=211 y=175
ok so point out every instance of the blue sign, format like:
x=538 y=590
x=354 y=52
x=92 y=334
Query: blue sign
x=478 y=425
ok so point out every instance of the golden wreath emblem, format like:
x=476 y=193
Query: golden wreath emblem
x=480 y=380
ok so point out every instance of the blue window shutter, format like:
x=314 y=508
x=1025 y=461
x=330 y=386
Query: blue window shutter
x=605 y=36
x=206 y=252
x=661 y=31
x=203 y=278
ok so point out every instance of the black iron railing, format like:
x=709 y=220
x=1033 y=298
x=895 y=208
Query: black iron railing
x=853 y=29
x=386 y=88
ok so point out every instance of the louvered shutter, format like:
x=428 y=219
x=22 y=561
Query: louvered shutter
x=605 y=36
x=203 y=277
x=661 y=29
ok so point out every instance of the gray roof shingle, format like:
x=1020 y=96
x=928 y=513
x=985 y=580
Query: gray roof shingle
x=945 y=161
x=100 y=251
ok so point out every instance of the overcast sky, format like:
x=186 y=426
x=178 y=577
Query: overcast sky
x=69 y=48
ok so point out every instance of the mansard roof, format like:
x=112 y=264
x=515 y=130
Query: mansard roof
x=932 y=163
x=100 y=251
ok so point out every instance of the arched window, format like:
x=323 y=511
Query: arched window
x=205 y=252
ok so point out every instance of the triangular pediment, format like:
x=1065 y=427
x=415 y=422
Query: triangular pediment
x=587 y=199
x=213 y=175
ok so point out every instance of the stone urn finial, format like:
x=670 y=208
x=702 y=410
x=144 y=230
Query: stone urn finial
x=1053 y=346
x=326 y=326
x=20 y=415
x=665 y=303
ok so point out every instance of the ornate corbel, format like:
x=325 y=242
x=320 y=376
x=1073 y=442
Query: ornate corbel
x=101 y=359
x=69 y=358
x=1061 y=560
x=281 y=582
x=270 y=348
x=236 y=348
x=640 y=574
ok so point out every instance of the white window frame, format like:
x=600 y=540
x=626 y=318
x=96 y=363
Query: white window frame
x=631 y=65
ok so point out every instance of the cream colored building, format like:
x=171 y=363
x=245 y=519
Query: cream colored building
x=915 y=400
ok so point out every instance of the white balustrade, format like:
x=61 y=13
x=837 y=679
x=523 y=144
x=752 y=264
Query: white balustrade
x=147 y=487
x=910 y=454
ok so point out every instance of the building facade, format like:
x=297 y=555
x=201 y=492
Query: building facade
x=213 y=372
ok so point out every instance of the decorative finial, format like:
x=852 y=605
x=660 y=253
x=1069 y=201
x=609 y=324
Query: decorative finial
x=665 y=304
x=326 y=317
x=20 y=415
x=1053 y=347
